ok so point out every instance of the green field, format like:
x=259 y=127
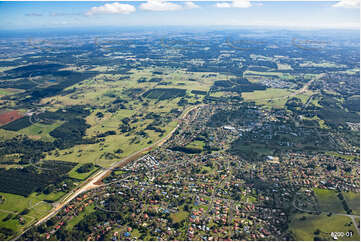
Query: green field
x=347 y=157
x=179 y=216
x=197 y=144
x=353 y=201
x=9 y=91
x=207 y=169
x=281 y=75
x=323 y=64
x=40 y=131
x=101 y=93
x=54 y=196
x=93 y=152
x=284 y=66
x=75 y=220
x=81 y=176
x=14 y=204
x=7 y=134
x=328 y=201
x=303 y=226
x=259 y=148
x=271 y=97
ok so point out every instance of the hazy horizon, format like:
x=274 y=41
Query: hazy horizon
x=342 y=14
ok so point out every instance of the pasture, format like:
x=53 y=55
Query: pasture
x=328 y=201
x=13 y=205
x=353 y=201
x=121 y=97
x=309 y=227
x=81 y=176
x=271 y=97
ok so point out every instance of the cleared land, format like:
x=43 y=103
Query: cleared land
x=13 y=205
x=105 y=89
x=7 y=117
x=304 y=226
x=271 y=97
x=41 y=131
x=353 y=201
x=328 y=201
x=81 y=176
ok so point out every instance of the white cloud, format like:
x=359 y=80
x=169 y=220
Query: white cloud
x=347 y=4
x=190 y=5
x=159 y=5
x=223 y=5
x=111 y=8
x=241 y=4
x=235 y=4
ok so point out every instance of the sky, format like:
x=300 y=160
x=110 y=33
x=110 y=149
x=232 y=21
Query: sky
x=343 y=14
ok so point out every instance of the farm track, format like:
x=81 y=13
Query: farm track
x=352 y=217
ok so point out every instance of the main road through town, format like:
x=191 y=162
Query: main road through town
x=96 y=179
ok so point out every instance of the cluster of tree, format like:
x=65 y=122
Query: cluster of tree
x=352 y=104
x=85 y=168
x=118 y=151
x=99 y=115
x=259 y=68
x=164 y=93
x=334 y=115
x=133 y=92
x=56 y=167
x=120 y=101
x=6 y=233
x=238 y=148
x=142 y=133
x=124 y=128
x=71 y=133
x=156 y=129
x=188 y=150
x=310 y=123
x=142 y=79
x=30 y=179
x=198 y=92
x=29 y=150
x=72 y=78
x=344 y=203
x=107 y=133
x=123 y=78
x=155 y=79
x=109 y=156
x=237 y=85
x=242 y=115
x=18 y=124
x=294 y=103
x=182 y=102
x=38 y=69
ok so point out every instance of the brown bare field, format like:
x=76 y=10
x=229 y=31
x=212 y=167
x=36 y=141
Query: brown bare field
x=9 y=116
